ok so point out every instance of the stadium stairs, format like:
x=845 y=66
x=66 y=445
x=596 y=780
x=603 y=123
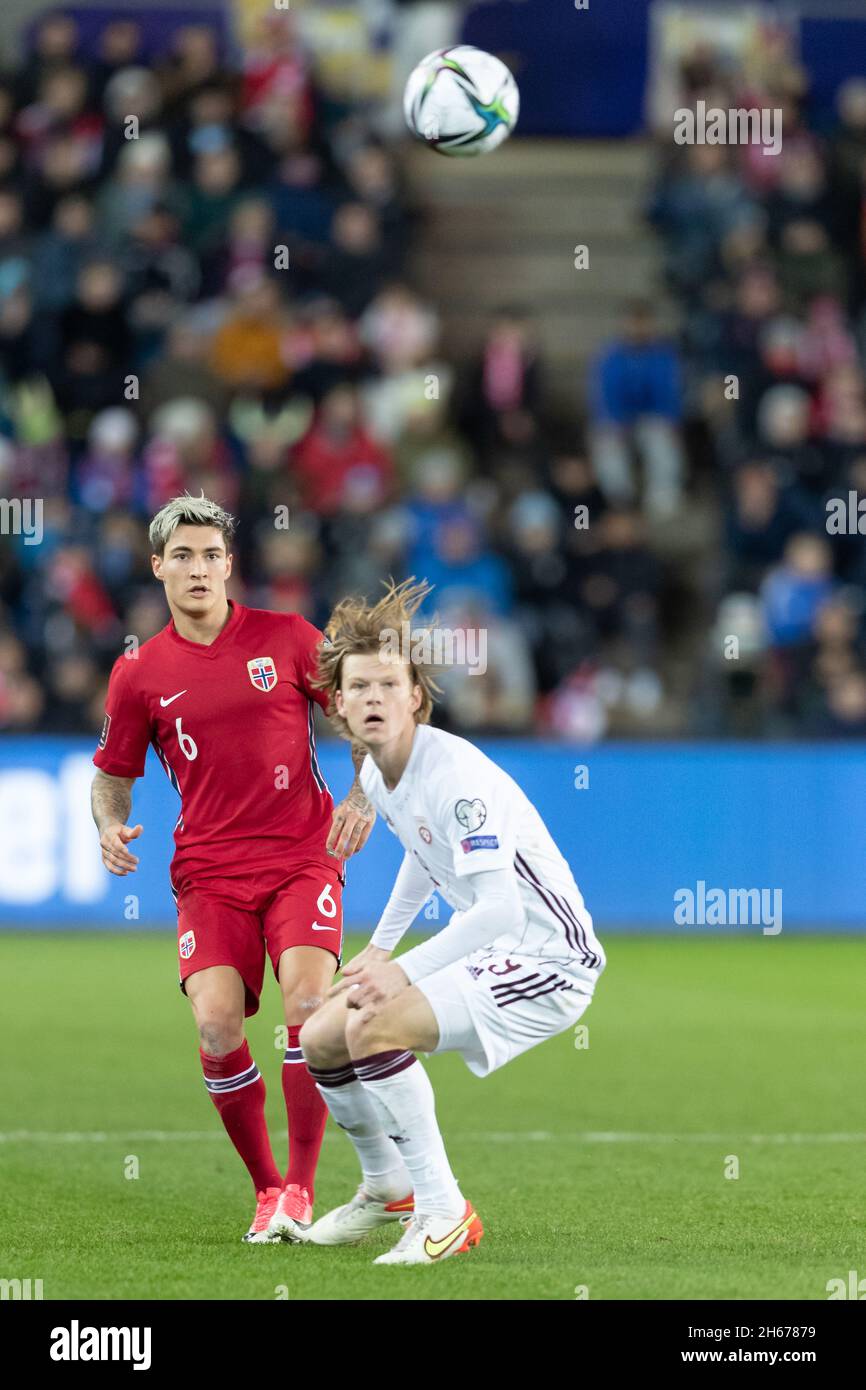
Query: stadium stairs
x=503 y=230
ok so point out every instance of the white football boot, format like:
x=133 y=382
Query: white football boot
x=429 y=1239
x=356 y=1219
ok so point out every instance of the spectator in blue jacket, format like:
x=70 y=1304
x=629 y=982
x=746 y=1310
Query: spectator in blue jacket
x=794 y=592
x=635 y=402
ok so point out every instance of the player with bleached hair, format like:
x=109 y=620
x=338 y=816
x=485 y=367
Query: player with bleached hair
x=223 y=696
x=516 y=964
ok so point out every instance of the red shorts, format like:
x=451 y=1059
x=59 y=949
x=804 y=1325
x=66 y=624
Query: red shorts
x=233 y=919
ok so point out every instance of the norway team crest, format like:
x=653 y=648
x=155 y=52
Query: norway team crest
x=187 y=944
x=263 y=672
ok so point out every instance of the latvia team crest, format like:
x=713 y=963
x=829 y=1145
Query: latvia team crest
x=187 y=944
x=263 y=672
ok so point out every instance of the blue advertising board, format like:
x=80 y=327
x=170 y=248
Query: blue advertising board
x=640 y=824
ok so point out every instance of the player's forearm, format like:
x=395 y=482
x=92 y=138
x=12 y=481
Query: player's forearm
x=110 y=800
x=411 y=890
x=496 y=910
x=355 y=795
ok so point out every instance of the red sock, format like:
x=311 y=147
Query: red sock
x=238 y=1092
x=306 y=1112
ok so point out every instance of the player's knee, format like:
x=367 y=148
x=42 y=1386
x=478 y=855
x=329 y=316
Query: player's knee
x=220 y=1029
x=219 y=1041
x=322 y=1041
x=365 y=1034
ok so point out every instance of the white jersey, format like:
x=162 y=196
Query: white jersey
x=459 y=813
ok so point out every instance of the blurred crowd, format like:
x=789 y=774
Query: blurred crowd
x=214 y=296
x=205 y=284
x=766 y=258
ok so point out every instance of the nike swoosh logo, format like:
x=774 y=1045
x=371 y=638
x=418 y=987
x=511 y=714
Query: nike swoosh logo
x=435 y=1248
x=316 y=927
x=163 y=701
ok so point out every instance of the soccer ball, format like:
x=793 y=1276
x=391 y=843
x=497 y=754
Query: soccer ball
x=461 y=101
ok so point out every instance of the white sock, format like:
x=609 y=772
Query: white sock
x=384 y=1173
x=400 y=1089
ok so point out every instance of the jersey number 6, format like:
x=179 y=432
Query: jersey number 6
x=187 y=744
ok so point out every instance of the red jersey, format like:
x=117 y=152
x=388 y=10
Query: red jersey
x=232 y=724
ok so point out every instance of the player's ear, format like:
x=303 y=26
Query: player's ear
x=156 y=563
x=229 y=559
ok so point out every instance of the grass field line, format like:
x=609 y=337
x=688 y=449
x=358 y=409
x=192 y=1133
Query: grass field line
x=532 y=1136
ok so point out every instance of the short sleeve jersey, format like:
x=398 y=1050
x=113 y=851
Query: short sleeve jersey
x=232 y=724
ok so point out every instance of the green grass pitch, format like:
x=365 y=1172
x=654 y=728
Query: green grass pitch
x=601 y=1167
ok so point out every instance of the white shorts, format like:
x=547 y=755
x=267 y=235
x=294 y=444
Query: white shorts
x=492 y=1005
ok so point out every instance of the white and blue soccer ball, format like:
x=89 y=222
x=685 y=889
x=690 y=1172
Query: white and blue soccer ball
x=461 y=101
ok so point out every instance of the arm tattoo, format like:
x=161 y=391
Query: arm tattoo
x=355 y=795
x=110 y=799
